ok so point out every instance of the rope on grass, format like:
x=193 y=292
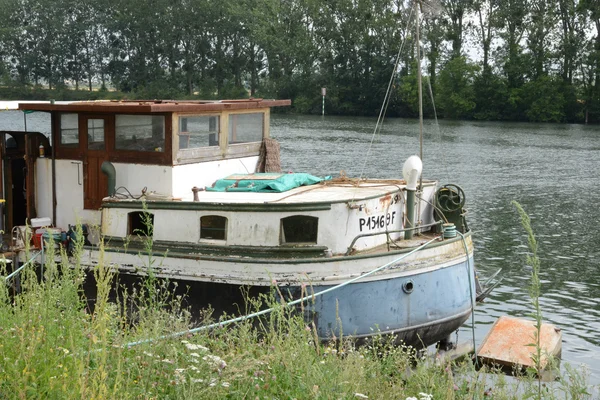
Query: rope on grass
x=15 y=272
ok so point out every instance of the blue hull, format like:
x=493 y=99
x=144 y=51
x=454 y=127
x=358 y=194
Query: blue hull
x=419 y=309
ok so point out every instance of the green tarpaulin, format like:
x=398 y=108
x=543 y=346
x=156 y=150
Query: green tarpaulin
x=264 y=182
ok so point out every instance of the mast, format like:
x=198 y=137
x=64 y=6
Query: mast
x=420 y=89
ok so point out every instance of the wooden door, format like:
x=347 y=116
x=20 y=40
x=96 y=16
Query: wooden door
x=94 y=137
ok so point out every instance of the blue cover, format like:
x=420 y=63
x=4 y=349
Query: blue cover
x=264 y=182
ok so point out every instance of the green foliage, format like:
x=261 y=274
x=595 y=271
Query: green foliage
x=290 y=49
x=545 y=100
x=534 y=292
x=491 y=96
x=456 y=95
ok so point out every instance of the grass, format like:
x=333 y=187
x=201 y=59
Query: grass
x=53 y=345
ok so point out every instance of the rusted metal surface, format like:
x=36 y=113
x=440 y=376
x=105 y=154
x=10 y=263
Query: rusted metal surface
x=141 y=106
x=511 y=342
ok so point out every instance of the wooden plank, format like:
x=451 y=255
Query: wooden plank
x=153 y=106
x=256 y=177
x=509 y=343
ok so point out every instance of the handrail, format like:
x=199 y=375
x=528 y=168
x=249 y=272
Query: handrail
x=15 y=272
x=361 y=235
x=291 y=303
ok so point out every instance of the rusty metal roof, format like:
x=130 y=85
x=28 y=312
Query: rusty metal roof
x=153 y=106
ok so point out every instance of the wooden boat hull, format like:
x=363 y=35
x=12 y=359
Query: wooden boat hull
x=420 y=299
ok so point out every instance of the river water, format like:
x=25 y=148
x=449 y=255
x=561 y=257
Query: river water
x=553 y=171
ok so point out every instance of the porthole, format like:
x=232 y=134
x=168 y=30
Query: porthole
x=408 y=286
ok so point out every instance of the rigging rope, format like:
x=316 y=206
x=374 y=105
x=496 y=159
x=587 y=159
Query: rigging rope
x=386 y=100
x=438 y=130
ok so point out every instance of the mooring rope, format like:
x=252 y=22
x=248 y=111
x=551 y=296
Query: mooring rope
x=15 y=272
x=291 y=303
x=470 y=292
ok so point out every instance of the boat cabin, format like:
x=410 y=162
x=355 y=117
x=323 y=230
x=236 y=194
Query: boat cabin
x=162 y=146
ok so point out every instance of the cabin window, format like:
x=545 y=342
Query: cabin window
x=197 y=132
x=140 y=223
x=95 y=131
x=244 y=128
x=213 y=227
x=299 y=229
x=140 y=132
x=69 y=130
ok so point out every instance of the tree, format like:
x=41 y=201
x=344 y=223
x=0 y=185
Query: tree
x=511 y=18
x=591 y=8
x=545 y=99
x=456 y=10
x=456 y=96
x=540 y=36
x=486 y=11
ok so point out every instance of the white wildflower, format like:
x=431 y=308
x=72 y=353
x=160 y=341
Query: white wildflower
x=166 y=360
x=225 y=384
x=411 y=398
x=361 y=396
x=191 y=346
x=215 y=361
x=425 y=396
x=194 y=355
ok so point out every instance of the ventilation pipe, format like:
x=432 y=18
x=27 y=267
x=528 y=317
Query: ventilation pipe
x=109 y=170
x=411 y=171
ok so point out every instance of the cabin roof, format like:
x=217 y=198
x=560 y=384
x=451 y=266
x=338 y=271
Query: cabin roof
x=324 y=192
x=153 y=106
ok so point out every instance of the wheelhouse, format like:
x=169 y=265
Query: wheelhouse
x=174 y=145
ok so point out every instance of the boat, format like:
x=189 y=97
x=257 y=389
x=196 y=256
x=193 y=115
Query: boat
x=193 y=191
x=196 y=185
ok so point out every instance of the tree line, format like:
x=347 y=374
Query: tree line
x=521 y=60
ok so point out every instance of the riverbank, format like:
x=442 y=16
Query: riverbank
x=58 y=344
x=300 y=105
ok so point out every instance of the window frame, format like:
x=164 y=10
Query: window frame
x=225 y=150
x=139 y=215
x=225 y=229
x=180 y=132
x=233 y=116
x=114 y=155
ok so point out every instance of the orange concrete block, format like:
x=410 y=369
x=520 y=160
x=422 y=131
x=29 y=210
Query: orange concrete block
x=509 y=343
